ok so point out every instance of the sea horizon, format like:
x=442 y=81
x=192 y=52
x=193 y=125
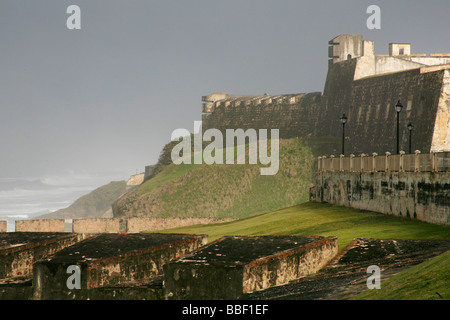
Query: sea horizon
x=28 y=198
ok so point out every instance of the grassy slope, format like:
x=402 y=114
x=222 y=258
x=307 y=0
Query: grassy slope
x=419 y=282
x=429 y=280
x=223 y=191
x=310 y=219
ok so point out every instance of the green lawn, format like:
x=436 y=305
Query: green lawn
x=429 y=280
x=419 y=282
x=309 y=219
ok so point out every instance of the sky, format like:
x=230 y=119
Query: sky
x=106 y=98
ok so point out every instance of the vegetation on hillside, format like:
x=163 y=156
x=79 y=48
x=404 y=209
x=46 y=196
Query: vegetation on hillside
x=223 y=190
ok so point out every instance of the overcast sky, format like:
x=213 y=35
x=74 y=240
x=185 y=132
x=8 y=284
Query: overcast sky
x=108 y=96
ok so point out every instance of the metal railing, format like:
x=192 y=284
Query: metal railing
x=417 y=162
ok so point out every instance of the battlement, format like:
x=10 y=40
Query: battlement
x=216 y=100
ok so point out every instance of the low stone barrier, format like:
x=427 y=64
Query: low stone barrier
x=3 y=226
x=40 y=225
x=112 y=225
x=152 y=224
x=108 y=225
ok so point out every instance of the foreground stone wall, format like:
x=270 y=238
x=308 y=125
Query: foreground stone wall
x=423 y=196
x=233 y=266
x=110 y=260
x=42 y=225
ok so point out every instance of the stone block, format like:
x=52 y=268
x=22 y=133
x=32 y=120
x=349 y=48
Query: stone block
x=235 y=265
x=19 y=250
x=108 y=261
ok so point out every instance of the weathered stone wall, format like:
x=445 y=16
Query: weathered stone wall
x=109 y=225
x=16 y=259
x=288 y=265
x=110 y=260
x=423 y=196
x=152 y=224
x=42 y=225
x=369 y=105
x=3 y=226
x=233 y=266
x=293 y=120
x=94 y=225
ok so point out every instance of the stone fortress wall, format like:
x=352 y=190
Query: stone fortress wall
x=363 y=85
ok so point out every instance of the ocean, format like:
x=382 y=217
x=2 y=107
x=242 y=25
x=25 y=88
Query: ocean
x=27 y=198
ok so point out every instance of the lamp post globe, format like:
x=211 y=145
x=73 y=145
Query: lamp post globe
x=343 y=121
x=410 y=128
x=398 y=109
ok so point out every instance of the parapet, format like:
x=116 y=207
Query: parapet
x=216 y=100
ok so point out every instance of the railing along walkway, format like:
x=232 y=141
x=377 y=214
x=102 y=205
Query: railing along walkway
x=417 y=162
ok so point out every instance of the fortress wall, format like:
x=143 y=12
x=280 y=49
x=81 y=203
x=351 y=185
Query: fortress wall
x=3 y=226
x=424 y=196
x=441 y=136
x=292 y=120
x=42 y=225
x=369 y=104
x=372 y=125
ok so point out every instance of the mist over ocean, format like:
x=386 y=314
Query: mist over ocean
x=27 y=198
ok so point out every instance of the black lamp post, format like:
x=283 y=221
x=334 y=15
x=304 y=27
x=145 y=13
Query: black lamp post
x=343 y=121
x=410 y=127
x=398 y=109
